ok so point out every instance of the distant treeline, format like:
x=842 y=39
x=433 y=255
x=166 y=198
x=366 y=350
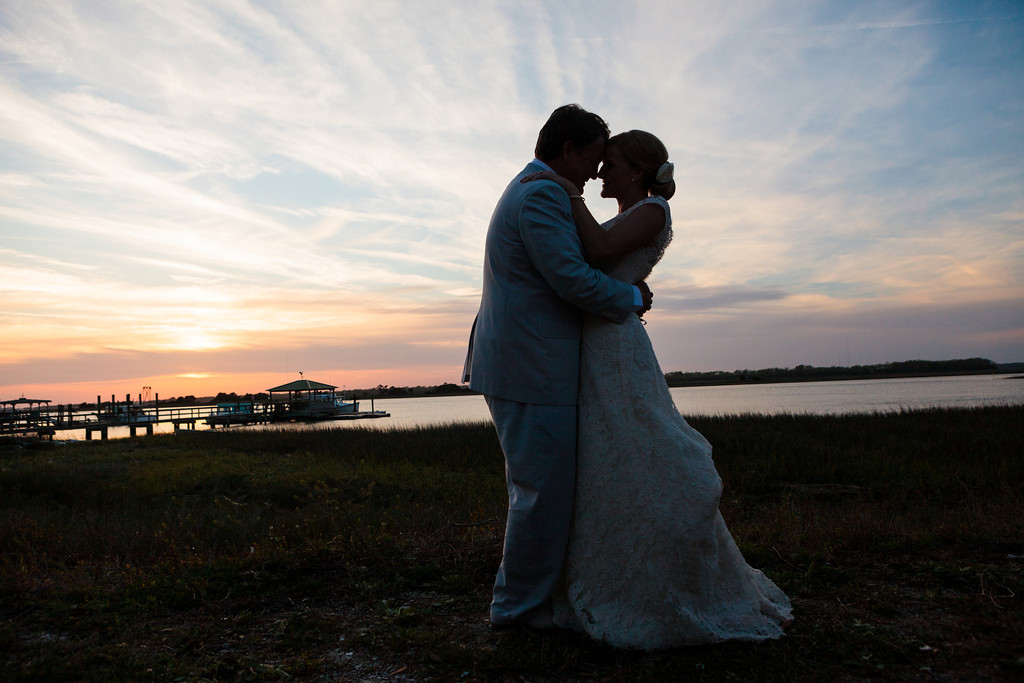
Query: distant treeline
x=380 y=391
x=801 y=373
x=386 y=391
x=810 y=373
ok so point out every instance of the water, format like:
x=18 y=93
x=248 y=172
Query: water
x=815 y=398
x=852 y=396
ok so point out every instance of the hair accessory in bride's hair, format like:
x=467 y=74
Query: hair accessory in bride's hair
x=664 y=173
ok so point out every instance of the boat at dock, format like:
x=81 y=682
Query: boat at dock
x=126 y=414
x=241 y=413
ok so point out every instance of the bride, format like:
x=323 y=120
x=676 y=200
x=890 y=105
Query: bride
x=651 y=563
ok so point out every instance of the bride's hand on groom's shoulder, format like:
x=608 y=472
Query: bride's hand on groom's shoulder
x=541 y=175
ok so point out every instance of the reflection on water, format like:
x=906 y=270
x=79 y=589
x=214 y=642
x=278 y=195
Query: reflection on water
x=815 y=398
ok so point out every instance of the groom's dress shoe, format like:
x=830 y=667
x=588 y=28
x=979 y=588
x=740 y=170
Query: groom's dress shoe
x=541 y=622
x=507 y=626
x=519 y=626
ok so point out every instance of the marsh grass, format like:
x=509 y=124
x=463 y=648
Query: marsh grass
x=361 y=554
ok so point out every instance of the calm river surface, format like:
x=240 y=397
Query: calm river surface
x=816 y=398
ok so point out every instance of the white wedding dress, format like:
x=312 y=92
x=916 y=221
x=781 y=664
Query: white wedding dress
x=651 y=563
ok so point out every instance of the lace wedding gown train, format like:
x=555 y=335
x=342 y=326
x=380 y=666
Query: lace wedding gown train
x=651 y=563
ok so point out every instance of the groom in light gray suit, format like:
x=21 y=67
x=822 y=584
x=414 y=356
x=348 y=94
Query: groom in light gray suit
x=524 y=356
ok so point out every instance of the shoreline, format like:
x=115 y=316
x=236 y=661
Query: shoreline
x=735 y=382
x=844 y=378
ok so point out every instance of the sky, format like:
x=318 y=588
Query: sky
x=215 y=195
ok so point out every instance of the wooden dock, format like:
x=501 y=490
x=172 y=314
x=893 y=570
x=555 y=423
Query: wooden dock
x=37 y=418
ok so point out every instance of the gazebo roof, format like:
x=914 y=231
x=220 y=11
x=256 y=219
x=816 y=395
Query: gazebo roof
x=303 y=385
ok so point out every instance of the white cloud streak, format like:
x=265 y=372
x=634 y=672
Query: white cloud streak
x=260 y=173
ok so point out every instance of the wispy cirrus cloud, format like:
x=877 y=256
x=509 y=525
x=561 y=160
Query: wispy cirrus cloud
x=238 y=176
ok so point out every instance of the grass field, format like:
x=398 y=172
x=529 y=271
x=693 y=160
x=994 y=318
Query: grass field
x=357 y=554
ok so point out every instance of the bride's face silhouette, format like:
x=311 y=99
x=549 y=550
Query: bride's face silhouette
x=619 y=175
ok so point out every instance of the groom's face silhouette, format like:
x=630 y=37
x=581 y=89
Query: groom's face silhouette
x=579 y=164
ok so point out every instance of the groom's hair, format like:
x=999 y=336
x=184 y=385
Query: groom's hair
x=569 y=123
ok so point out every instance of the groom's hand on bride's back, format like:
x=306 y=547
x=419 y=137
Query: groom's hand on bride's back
x=648 y=297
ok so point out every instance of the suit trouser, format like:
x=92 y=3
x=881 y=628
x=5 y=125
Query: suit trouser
x=539 y=442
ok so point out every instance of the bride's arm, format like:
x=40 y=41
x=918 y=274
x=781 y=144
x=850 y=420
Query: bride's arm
x=604 y=247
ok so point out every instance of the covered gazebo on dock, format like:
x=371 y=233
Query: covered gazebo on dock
x=15 y=420
x=14 y=402
x=300 y=389
x=16 y=412
x=305 y=399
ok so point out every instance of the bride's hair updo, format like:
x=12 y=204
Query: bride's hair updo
x=649 y=156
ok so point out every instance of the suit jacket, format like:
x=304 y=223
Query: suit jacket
x=525 y=343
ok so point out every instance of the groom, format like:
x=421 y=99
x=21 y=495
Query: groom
x=524 y=356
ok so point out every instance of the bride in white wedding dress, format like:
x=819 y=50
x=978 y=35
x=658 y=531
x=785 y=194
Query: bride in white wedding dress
x=651 y=564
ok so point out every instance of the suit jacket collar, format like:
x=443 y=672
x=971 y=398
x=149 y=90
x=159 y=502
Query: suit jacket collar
x=540 y=163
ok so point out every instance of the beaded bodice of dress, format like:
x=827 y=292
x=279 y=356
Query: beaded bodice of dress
x=637 y=265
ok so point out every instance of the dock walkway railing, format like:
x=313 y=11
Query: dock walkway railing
x=46 y=420
x=43 y=420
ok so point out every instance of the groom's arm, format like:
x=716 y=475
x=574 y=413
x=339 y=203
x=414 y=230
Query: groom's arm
x=549 y=235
